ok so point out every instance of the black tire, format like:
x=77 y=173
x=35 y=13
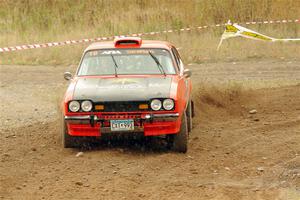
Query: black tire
x=180 y=141
x=189 y=116
x=69 y=141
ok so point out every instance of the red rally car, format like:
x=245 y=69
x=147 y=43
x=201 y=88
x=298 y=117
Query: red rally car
x=129 y=85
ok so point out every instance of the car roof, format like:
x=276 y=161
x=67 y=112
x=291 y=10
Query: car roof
x=144 y=44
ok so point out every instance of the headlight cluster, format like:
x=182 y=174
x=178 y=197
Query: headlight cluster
x=166 y=104
x=86 y=106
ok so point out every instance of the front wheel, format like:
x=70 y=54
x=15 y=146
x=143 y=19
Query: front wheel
x=180 y=140
x=189 y=115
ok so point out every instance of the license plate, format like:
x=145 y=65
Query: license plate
x=122 y=125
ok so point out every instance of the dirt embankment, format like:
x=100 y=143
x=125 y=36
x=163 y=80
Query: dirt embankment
x=232 y=154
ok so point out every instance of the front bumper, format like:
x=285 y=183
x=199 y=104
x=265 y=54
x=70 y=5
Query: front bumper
x=148 y=124
x=148 y=117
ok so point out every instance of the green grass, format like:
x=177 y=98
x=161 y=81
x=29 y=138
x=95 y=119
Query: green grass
x=39 y=21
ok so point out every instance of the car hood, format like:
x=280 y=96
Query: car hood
x=122 y=89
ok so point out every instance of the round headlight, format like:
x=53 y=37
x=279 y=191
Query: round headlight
x=74 y=106
x=155 y=104
x=168 y=104
x=86 y=106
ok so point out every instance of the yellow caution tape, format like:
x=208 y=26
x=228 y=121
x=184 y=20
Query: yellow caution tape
x=235 y=30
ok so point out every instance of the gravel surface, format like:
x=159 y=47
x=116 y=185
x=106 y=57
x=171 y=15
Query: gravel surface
x=233 y=154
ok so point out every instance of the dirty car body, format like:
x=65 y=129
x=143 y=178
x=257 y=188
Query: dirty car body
x=129 y=85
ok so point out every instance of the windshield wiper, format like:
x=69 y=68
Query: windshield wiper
x=160 y=67
x=116 y=65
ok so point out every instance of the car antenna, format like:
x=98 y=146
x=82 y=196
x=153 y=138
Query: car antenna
x=115 y=63
x=160 y=67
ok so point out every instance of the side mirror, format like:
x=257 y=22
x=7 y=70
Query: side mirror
x=187 y=73
x=68 y=76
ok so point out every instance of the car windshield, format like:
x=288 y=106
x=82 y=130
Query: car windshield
x=126 y=61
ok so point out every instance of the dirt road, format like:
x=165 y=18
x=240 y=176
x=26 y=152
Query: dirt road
x=233 y=155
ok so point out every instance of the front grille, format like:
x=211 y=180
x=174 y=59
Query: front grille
x=105 y=118
x=121 y=106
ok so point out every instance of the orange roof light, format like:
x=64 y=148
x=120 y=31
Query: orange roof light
x=128 y=42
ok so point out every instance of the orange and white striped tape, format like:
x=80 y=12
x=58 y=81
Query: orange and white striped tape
x=68 y=42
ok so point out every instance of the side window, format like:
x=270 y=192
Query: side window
x=175 y=53
x=178 y=59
